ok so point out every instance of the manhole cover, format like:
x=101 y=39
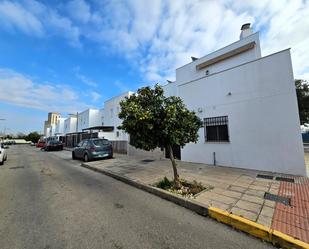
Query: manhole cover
x=147 y=160
x=277 y=198
x=265 y=176
x=284 y=179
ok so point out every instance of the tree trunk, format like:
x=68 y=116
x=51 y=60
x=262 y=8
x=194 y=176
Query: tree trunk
x=177 y=183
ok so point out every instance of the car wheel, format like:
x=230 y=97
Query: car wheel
x=1 y=163
x=86 y=158
x=73 y=155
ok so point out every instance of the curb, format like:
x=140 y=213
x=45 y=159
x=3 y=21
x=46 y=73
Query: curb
x=257 y=230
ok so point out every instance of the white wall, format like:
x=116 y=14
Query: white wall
x=101 y=116
x=188 y=72
x=47 y=131
x=88 y=118
x=60 y=126
x=111 y=110
x=264 y=126
x=70 y=125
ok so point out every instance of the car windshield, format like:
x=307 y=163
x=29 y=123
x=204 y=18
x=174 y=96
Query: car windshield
x=100 y=142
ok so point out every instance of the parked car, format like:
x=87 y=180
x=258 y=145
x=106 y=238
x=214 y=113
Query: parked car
x=93 y=148
x=3 y=154
x=40 y=144
x=53 y=145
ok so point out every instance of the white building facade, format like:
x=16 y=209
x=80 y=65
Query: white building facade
x=60 y=126
x=88 y=118
x=111 y=119
x=248 y=105
x=70 y=124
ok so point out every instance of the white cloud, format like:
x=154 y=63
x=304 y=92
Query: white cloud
x=84 y=78
x=21 y=90
x=79 y=10
x=14 y=16
x=95 y=96
x=36 y=19
x=121 y=86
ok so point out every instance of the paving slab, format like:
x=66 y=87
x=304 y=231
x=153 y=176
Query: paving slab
x=216 y=197
x=264 y=220
x=253 y=199
x=250 y=206
x=244 y=213
x=267 y=211
x=254 y=192
x=237 y=188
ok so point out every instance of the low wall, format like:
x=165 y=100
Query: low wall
x=120 y=146
x=155 y=154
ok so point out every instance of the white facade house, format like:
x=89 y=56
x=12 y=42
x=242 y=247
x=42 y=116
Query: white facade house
x=88 y=118
x=70 y=124
x=111 y=110
x=60 y=126
x=248 y=105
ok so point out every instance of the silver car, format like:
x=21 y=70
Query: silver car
x=3 y=154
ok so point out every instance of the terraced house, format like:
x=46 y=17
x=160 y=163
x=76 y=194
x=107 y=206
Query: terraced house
x=248 y=104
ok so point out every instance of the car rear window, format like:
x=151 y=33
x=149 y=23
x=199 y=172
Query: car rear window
x=100 y=142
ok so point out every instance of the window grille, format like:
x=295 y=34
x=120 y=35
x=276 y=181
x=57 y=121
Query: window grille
x=216 y=129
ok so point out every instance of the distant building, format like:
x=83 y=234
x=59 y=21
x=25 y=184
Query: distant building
x=59 y=130
x=70 y=124
x=52 y=120
x=88 y=118
x=111 y=119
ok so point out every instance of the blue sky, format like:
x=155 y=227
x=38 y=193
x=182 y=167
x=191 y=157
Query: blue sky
x=67 y=56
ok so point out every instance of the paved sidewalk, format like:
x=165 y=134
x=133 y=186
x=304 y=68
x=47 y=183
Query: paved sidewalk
x=237 y=191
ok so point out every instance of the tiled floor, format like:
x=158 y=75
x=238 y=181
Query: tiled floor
x=294 y=219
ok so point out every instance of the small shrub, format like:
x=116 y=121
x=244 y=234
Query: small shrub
x=164 y=184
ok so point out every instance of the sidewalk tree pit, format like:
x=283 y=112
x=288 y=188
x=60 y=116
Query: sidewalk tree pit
x=187 y=189
x=155 y=121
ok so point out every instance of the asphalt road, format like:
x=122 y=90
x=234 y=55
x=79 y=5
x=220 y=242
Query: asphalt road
x=48 y=201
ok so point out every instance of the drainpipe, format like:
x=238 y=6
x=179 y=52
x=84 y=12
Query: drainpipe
x=214 y=154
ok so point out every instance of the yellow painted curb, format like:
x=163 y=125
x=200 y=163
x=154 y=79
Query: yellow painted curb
x=256 y=229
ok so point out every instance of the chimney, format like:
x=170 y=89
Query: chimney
x=246 y=30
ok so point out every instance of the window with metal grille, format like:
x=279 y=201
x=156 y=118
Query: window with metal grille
x=216 y=129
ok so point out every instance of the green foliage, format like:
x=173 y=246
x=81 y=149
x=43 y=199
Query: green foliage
x=302 y=91
x=164 y=184
x=153 y=120
x=33 y=137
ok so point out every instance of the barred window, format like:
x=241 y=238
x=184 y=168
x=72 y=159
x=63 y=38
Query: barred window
x=216 y=129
